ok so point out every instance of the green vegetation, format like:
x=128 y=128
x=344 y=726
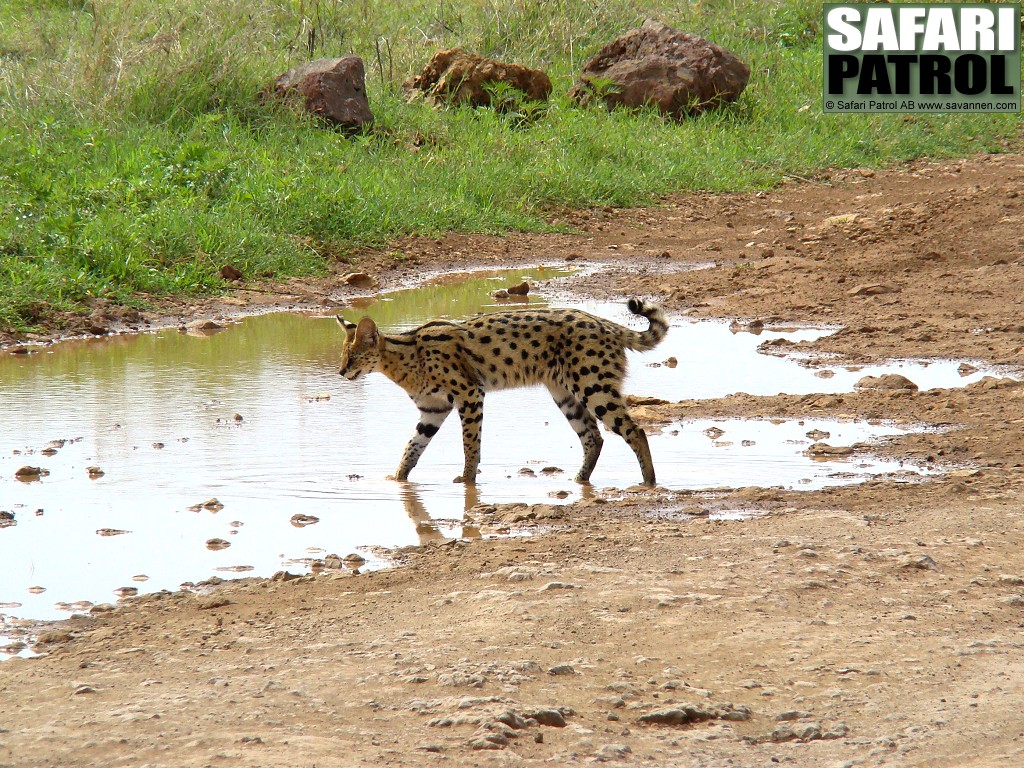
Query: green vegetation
x=135 y=158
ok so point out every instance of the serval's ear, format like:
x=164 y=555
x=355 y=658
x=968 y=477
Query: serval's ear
x=349 y=327
x=366 y=333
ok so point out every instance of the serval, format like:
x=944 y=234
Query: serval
x=445 y=365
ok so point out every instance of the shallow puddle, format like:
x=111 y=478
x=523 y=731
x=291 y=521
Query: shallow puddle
x=257 y=418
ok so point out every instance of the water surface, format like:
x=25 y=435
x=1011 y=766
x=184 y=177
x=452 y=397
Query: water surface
x=258 y=418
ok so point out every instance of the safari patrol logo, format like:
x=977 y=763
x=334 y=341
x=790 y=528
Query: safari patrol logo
x=921 y=58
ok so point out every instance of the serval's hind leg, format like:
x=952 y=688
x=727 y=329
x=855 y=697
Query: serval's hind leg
x=608 y=406
x=585 y=426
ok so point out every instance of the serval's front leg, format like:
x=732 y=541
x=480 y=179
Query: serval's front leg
x=471 y=413
x=433 y=412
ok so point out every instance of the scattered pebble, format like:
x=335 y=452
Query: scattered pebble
x=519 y=290
x=212 y=505
x=208 y=602
x=562 y=669
x=359 y=280
x=30 y=474
x=216 y=544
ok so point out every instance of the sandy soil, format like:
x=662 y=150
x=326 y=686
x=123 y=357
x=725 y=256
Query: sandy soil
x=875 y=625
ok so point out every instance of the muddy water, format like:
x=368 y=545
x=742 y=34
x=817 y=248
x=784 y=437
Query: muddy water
x=257 y=418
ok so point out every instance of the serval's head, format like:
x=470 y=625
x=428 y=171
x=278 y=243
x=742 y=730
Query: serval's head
x=360 y=353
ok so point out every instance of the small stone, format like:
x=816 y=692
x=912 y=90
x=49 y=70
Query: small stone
x=809 y=732
x=103 y=608
x=613 y=752
x=217 y=544
x=110 y=532
x=1011 y=580
x=353 y=560
x=782 y=733
x=211 y=505
x=551 y=585
x=84 y=689
x=301 y=521
x=52 y=638
x=500 y=294
x=551 y=718
x=678 y=716
x=204 y=326
x=920 y=562
x=527 y=472
x=229 y=272
x=871 y=289
x=562 y=669
x=95 y=472
x=126 y=591
x=519 y=290
x=889 y=381
x=488 y=742
x=28 y=474
x=791 y=714
x=671 y=362
x=552 y=471
x=209 y=602
x=714 y=432
x=512 y=720
x=359 y=280
x=821 y=450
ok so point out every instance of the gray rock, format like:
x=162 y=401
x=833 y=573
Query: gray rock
x=562 y=669
x=511 y=719
x=791 y=714
x=613 y=752
x=679 y=716
x=549 y=717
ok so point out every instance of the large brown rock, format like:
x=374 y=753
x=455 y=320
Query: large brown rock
x=655 y=65
x=456 y=76
x=334 y=89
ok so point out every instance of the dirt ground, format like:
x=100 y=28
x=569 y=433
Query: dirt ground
x=872 y=625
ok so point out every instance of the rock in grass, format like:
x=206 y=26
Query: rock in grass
x=655 y=65
x=230 y=272
x=456 y=76
x=331 y=89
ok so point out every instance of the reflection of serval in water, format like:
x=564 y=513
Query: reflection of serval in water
x=444 y=365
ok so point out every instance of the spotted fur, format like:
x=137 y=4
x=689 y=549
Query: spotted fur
x=445 y=366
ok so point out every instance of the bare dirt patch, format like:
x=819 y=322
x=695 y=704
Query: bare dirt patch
x=878 y=624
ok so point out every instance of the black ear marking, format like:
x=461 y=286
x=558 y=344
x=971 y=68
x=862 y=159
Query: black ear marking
x=345 y=323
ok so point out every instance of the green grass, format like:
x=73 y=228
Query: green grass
x=135 y=158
